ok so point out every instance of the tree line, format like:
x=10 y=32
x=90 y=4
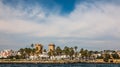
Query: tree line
x=73 y=52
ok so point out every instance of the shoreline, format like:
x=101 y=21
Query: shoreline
x=52 y=62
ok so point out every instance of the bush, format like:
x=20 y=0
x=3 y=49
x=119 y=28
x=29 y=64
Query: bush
x=99 y=57
x=106 y=59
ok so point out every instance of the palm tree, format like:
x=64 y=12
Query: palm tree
x=32 y=50
x=85 y=53
x=66 y=50
x=75 y=48
x=21 y=50
x=81 y=52
x=51 y=53
x=32 y=45
x=44 y=50
x=75 y=51
x=71 y=52
x=58 y=50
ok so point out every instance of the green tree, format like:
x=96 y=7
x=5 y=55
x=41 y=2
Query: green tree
x=81 y=52
x=58 y=50
x=85 y=53
x=89 y=53
x=115 y=56
x=22 y=52
x=28 y=51
x=107 y=57
x=33 y=49
x=51 y=53
x=66 y=50
x=75 y=48
x=44 y=50
x=25 y=52
x=71 y=52
x=32 y=45
x=75 y=51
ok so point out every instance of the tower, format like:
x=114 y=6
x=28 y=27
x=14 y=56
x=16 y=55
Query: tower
x=51 y=47
x=39 y=48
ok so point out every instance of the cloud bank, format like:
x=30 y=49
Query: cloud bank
x=97 y=21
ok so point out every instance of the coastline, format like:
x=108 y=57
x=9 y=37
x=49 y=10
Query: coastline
x=54 y=62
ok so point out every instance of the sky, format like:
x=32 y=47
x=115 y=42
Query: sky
x=89 y=24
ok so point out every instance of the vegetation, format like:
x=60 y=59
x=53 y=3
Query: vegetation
x=106 y=57
x=72 y=52
x=85 y=53
x=51 y=53
x=14 y=57
x=75 y=50
x=58 y=50
x=115 y=56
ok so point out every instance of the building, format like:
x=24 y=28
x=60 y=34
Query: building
x=44 y=56
x=7 y=53
x=51 y=46
x=39 y=48
x=118 y=52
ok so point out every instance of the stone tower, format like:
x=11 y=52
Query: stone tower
x=39 y=48
x=51 y=46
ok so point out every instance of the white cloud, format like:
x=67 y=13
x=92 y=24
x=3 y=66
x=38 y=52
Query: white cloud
x=86 y=21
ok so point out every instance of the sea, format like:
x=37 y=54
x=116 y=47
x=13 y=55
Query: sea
x=61 y=65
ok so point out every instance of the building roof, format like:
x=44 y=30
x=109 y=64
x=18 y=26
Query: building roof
x=38 y=45
x=51 y=44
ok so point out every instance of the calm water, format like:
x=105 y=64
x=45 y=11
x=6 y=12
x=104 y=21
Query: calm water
x=60 y=65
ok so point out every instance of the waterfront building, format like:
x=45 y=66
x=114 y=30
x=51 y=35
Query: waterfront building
x=118 y=52
x=44 y=55
x=59 y=57
x=51 y=46
x=39 y=48
x=33 y=57
x=96 y=55
x=18 y=53
x=7 y=53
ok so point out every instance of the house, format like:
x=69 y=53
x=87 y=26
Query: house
x=7 y=53
x=44 y=55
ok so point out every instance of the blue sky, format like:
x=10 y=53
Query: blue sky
x=90 y=24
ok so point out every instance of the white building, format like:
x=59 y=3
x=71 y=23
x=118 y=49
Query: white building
x=44 y=55
x=33 y=57
x=7 y=53
x=59 y=57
